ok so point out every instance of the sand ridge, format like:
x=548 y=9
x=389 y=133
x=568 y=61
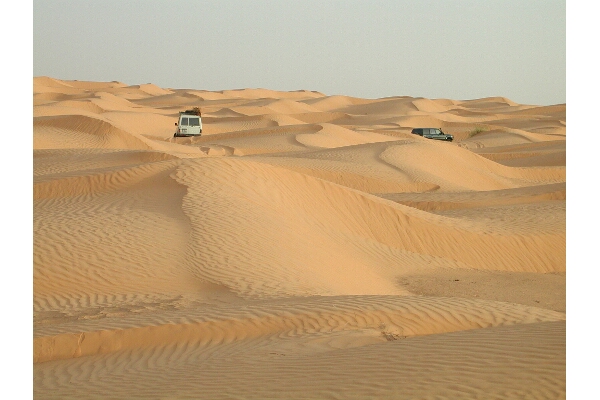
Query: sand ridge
x=302 y=238
x=377 y=318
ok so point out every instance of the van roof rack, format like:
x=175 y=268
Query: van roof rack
x=193 y=111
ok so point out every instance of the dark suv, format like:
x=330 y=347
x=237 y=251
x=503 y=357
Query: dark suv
x=432 y=133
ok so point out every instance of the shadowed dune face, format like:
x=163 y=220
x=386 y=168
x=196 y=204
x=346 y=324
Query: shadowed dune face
x=302 y=238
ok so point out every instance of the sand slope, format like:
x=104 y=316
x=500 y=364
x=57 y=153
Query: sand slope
x=518 y=361
x=305 y=246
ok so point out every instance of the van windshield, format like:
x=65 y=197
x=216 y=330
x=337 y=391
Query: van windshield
x=194 y=121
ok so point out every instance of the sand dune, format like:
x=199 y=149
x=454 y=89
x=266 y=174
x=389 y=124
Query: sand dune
x=276 y=139
x=431 y=106
x=286 y=106
x=331 y=136
x=175 y=100
x=332 y=103
x=87 y=85
x=548 y=153
x=490 y=103
x=80 y=131
x=253 y=94
x=152 y=90
x=224 y=112
x=147 y=124
x=305 y=246
x=389 y=106
x=233 y=124
x=56 y=107
x=518 y=361
x=377 y=319
x=455 y=168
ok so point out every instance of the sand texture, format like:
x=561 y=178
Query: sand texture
x=305 y=246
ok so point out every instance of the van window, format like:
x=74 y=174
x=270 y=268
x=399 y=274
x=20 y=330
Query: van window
x=184 y=121
x=194 y=121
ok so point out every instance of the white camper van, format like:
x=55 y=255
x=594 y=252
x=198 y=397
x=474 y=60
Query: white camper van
x=190 y=123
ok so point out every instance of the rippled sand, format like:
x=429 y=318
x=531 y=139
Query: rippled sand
x=306 y=246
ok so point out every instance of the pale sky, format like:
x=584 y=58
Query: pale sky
x=437 y=49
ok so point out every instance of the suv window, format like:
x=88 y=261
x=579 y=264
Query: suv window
x=184 y=121
x=194 y=121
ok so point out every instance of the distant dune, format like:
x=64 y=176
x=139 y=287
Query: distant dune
x=305 y=246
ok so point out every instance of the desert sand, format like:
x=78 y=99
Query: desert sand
x=305 y=246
